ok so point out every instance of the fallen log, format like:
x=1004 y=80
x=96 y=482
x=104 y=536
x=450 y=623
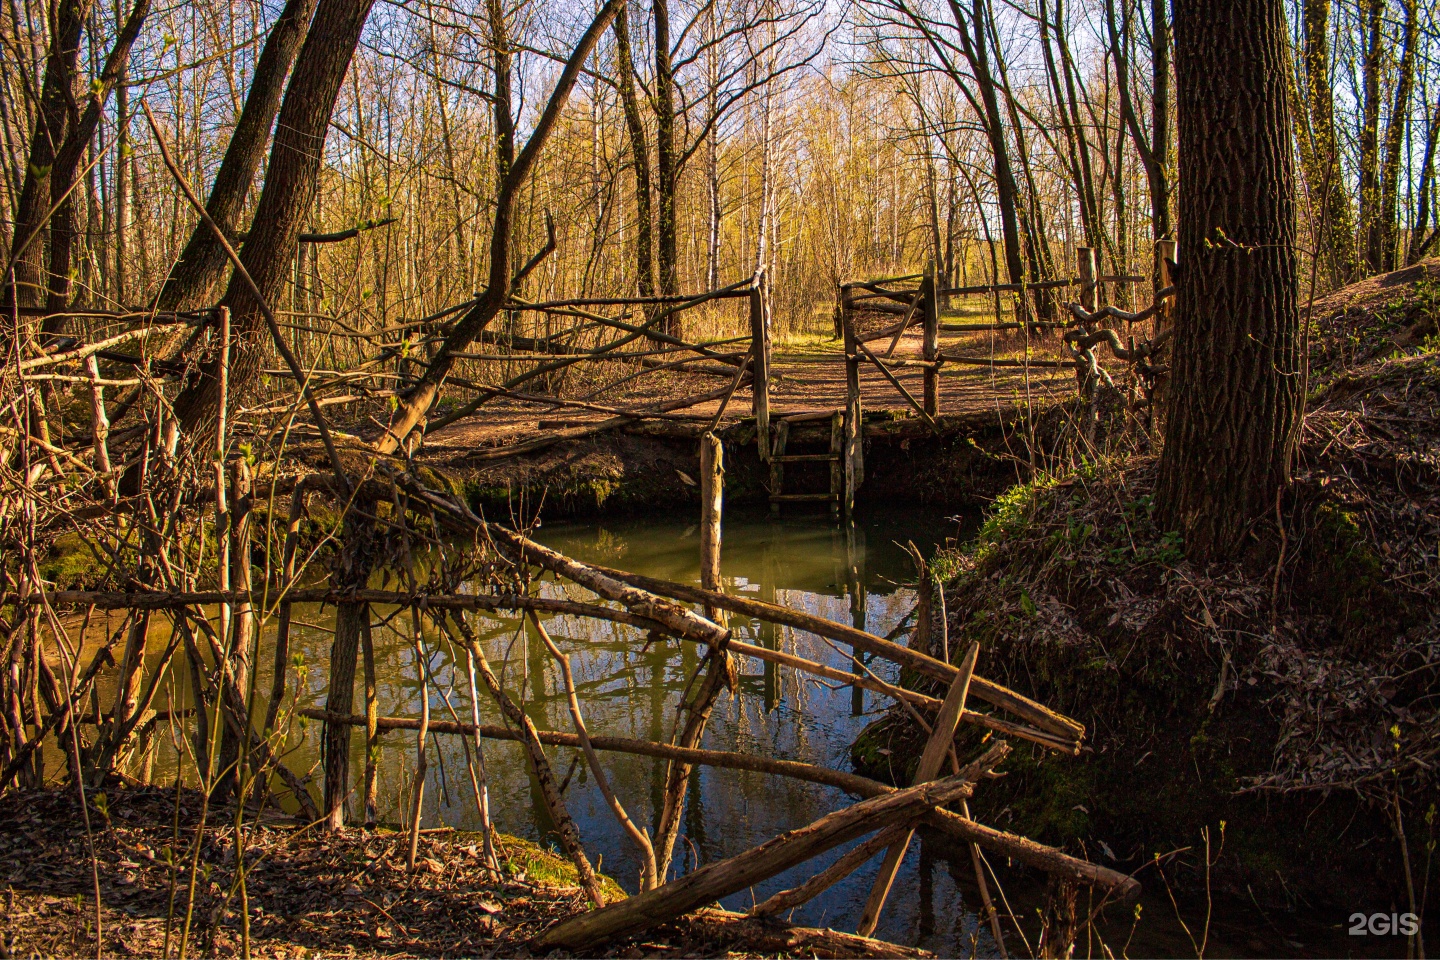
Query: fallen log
x=716 y=880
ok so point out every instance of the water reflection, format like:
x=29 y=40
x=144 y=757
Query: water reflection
x=629 y=687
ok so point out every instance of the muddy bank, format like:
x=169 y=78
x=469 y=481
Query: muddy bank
x=655 y=465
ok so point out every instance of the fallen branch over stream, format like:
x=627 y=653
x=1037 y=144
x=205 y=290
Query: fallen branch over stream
x=1032 y=854
x=721 y=879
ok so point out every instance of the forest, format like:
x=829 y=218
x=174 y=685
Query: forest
x=719 y=477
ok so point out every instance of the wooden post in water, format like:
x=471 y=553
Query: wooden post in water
x=854 y=441
x=760 y=363
x=1089 y=287
x=930 y=303
x=712 y=501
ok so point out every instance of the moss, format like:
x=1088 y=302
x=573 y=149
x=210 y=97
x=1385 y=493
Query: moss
x=71 y=563
x=540 y=866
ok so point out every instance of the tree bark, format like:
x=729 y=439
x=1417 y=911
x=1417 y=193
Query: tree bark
x=67 y=163
x=295 y=159
x=639 y=156
x=667 y=172
x=1374 y=54
x=1320 y=151
x=203 y=261
x=1384 y=240
x=51 y=124
x=1237 y=377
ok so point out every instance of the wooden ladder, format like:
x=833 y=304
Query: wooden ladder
x=779 y=457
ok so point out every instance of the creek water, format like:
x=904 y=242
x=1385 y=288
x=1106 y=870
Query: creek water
x=853 y=574
x=857 y=574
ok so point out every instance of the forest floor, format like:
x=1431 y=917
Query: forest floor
x=311 y=894
x=1272 y=718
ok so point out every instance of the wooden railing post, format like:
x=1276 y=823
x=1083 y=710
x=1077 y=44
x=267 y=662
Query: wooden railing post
x=930 y=348
x=854 y=442
x=1165 y=253
x=760 y=360
x=1089 y=281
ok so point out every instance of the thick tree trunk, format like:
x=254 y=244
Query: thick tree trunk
x=639 y=156
x=51 y=123
x=203 y=262
x=1159 y=154
x=289 y=188
x=1320 y=151
x=1237 y=377
x=67 y=165
x=1384 y=240
x=1374 y=48
x=976 y=48
x=667 y=173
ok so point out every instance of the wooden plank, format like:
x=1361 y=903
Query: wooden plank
x=937 y=748
x=894 y=382
x=1089 y=288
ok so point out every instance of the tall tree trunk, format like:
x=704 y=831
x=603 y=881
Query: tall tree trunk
x=1067 y=105
x=1384 y=240
x=1374 y=45
x=975 y=45
x=1235 y=395
x=667 y=162
x=270 y=246
x=121 y=275
x=1154 y=148
x=46 y=140
x=415 y=406
x=1421 y=236
x=1159 y=152
x=67 y=165
x=639 y=156
x=202 y=264
x=1320 y=150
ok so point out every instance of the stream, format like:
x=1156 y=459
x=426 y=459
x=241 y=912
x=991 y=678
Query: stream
x=850 y=574
x=856 y=574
